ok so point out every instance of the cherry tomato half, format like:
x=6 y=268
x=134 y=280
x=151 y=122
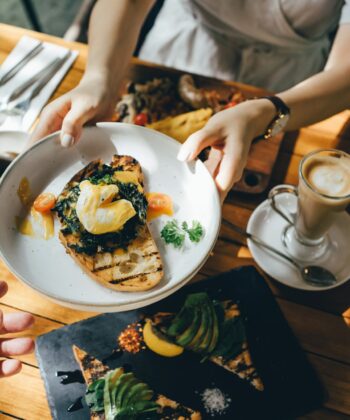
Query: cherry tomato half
x=141 y=119
x=231 y=104
x=44 y=202
x=159 y=202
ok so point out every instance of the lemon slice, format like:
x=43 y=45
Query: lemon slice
x=158 y=345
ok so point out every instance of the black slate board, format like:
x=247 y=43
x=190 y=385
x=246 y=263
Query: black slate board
x=291 y=386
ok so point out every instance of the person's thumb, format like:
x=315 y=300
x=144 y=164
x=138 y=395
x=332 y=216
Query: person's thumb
x=196 y=143
x=72 y=124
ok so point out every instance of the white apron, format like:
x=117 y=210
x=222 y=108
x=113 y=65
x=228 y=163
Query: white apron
x=249 y=41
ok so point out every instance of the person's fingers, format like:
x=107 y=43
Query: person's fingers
x=15 y=322
x=196 y=143
x=50 y=119
x=16 y=346
x=3 y=288
x=9 y=367
x=230 y=170
x=213 y=161
x=73 y=122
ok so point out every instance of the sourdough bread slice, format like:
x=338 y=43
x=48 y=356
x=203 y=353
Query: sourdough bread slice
x=136 y=268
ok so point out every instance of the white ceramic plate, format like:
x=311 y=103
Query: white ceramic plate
x=45 y=266
x=12 y=142
x=266 y=224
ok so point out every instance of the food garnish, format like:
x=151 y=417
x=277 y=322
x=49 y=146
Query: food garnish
x=38 y=221
x=130 y=339
x=195 y=233
x=120 y=395
x=159 y=343
x=173 y=233
x=44 y=202
x=158 y=204
x=141 y=119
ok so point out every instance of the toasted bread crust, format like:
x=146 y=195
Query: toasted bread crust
x=93 y=369
x=139 y=267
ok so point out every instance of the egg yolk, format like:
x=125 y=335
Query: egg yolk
x=96 y=210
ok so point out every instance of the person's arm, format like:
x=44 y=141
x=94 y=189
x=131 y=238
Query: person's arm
x=325 y=93
x=113 y=33
x=230 y=132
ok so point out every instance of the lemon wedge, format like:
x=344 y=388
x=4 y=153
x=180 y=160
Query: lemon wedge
x=157 y=344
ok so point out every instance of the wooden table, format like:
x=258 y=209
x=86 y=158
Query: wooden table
x=320 y=321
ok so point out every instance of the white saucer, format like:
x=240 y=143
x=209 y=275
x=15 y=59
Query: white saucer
x=12 y=143
x=266 y=224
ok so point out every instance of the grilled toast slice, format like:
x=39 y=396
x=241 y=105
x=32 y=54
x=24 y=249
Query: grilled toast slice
x=136 y=268
x=242 y=365
x=93 y=369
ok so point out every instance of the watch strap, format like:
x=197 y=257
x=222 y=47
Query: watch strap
x=279 y=104
x=281 y=109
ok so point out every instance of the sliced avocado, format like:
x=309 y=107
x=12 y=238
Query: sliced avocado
x=204 y=345
x=125 y=390
x=187 y=336
x=135 y=391
x=197 y=341
x=185 y=317
x=182 y=320
x=136 y=411
x=119 y=387
x=215 y=330
x=162 y=335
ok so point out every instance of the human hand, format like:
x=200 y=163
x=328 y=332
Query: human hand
x=229 y=133
x=90 y=101
x=12 y=347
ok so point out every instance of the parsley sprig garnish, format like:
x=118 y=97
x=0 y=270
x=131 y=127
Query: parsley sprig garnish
x=173 y=233
x=195 y=233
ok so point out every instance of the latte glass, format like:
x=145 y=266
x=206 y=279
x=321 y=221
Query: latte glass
x=323 y=191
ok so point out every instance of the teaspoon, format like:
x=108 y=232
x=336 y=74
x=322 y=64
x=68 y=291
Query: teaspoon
x=312 y=274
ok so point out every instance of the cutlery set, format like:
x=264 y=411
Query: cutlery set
x=18 y=102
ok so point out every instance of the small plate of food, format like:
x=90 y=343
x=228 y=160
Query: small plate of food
x=112 y=224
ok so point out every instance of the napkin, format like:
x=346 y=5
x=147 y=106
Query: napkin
x=40 y=61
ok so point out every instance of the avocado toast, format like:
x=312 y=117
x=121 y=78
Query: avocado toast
x=115 y=394
x=102 y=210
x=212 y=329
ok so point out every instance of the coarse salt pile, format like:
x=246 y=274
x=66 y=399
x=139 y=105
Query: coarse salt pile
x=215 y=401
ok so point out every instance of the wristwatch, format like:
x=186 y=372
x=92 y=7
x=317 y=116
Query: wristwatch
x=280 y=120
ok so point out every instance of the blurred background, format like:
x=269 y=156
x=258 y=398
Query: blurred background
x=63 y=18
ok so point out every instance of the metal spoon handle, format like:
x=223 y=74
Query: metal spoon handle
x=258 y=241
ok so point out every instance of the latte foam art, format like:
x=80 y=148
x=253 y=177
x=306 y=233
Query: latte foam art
x=329 y=175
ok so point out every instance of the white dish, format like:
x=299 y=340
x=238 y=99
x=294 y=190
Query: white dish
x=266 y=224
x=12 y=143
x=45 y=266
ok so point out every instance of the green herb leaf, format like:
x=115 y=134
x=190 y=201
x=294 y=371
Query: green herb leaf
x=173 y=234
x=94 y=396
x=195 y=233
